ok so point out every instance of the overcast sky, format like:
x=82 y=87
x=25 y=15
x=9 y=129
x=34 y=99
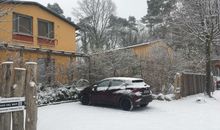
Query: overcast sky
x=125 y=8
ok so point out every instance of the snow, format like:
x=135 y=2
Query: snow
x=184 y=114
x=32 y=84
x=124 y=78
x=15 y=86
x=20 y=69
x=31 y=63
x=8 y=62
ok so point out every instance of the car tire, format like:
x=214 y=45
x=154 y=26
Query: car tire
x=85 y=100
x=126 y=104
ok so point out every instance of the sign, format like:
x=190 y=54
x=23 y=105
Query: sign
x=12 y=104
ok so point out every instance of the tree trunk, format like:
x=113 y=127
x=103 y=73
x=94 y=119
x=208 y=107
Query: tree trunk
x=208 y=66
x=31 y=96
x=18 y=91
x=6 y=83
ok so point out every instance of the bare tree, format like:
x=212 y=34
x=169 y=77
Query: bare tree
x=199 y=20
x=108 y=64
x=94 y=17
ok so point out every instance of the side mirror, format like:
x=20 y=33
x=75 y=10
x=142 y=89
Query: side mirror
x=94 y=87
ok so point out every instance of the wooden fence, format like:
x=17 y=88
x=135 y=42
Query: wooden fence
x=17 y=83
x=191 y=83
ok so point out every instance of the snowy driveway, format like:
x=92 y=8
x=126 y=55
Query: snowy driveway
x=184 y=114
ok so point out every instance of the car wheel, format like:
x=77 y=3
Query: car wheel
x=126 y=104
x=85 y=100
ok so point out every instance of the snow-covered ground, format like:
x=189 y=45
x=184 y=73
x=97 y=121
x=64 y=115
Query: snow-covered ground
x=183 y=114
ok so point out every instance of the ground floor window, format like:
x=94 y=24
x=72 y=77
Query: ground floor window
x=46 y=70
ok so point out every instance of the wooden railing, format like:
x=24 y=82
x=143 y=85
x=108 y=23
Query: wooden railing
x=15 y=84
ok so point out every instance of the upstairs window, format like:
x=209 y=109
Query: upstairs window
x=45 y=29
x=22 y=24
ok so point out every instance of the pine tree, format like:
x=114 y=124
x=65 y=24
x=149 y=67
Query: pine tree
x=157 y=17
x=55 y=8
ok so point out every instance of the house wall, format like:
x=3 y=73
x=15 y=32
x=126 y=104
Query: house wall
x=61 y=62
x=64 y=32
x=64 y=35
x=145 y=50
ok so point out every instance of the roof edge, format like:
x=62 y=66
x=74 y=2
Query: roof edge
x=45 y=8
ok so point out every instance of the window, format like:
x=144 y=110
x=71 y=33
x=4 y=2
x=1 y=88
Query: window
x=117 y=83
x=102 y=86
x=45 y=29
x=22 y=24
x=46 y=70
x=104 y=83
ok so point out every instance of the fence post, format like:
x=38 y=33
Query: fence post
x=31 y=96
x=18 y=91
x=6 y=82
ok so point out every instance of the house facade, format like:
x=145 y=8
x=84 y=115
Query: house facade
x=150 y=49
x=31 y=32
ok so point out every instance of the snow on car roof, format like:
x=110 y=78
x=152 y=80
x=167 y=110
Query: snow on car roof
x=125 y=78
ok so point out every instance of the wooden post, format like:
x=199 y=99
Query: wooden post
x=18 y=91
x=31 y=96
x=21 y=53
x=48 y=68
x=6 y=80
x=70 y=74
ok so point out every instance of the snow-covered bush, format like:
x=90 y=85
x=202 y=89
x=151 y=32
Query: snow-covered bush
x=48 y=95
x=162 y=97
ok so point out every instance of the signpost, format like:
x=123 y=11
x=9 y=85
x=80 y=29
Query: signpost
x=12 y=104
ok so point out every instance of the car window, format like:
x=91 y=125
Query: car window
x=116 y=83
x=137 y=81
x=138 y=84
x=104 y=83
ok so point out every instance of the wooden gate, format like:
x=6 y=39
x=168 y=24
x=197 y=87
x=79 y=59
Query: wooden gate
x=191 y=83
x=17 y=84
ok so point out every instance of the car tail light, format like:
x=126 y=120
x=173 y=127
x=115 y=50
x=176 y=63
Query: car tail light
x=138 y=93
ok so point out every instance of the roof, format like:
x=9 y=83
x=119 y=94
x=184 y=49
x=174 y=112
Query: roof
x=142 y=44
x=124 y=78
x=44 y=8
x=31 y=49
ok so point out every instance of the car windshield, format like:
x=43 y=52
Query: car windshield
x=138 y=84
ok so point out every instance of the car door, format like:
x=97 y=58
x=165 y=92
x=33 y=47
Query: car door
x=99 y=92
x=111 y=94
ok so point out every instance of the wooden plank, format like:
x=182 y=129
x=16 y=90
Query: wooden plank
x=18 y=91
x=31 y=96
x=195 y=77
x=197 y=84
x=184 y=85
x=189 y=84
x=6 y=83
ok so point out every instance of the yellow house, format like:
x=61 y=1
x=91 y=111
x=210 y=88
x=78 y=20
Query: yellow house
x=157 y=48
x=31 y=32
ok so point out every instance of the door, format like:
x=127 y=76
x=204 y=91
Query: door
x=99 y=92
x=111 y=95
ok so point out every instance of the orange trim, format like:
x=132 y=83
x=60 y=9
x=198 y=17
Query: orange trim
x=43 y=41
x=22 y=37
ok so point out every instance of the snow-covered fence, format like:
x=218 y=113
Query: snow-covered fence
x=15 y=84
x=192 y=83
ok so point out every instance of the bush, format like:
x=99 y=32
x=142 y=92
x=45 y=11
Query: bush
x=47 y=95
